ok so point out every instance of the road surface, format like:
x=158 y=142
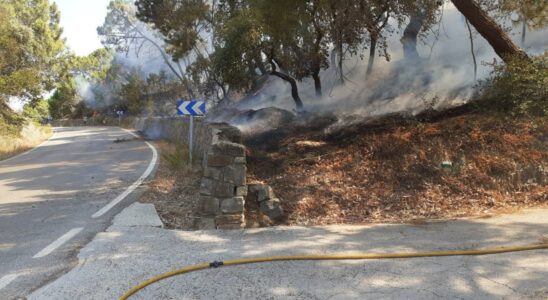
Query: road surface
x=128 y=253
x=54 y=199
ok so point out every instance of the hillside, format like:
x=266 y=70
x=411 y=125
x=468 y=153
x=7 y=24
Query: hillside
x=390 y=169
x=18 y=134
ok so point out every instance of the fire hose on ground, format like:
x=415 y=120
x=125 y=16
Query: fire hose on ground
x=356 y=256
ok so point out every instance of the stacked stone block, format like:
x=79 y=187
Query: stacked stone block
x=269 y=205
x=223 y=186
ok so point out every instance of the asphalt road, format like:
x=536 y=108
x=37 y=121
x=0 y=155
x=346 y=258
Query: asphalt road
x=49 y=195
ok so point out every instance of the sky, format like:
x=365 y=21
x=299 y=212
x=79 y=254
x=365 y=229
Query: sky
x=80 y=19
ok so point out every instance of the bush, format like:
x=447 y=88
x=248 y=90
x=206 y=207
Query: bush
x=519 y=87
x=176 y=155
x=36 y=111
x=10 y=122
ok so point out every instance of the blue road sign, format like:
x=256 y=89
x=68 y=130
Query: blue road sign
x=191 y=108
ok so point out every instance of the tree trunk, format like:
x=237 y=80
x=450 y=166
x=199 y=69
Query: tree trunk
x=489 y=29
x=292 y=82
x=294 y=89
x=317 y=84
x=409 y=39
x=340 y=56
x=523 y=31
x=372 y=53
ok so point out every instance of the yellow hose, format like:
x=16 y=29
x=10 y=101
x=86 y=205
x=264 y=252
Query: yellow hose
x=329 y=257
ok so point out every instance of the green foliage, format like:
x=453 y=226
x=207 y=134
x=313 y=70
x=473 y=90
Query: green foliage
x=63 y=101
x=133 y=91
x=518 y=87
x=533 y=12
x=285 y=38
x=181 y=22
x=124 y=33
x=10 y=122
x=31 y=48
x=238 y=50
x=37 y=110
x=93 y=67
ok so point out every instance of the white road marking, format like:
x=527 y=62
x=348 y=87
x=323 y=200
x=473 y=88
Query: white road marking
x=57 y=243
x=29 y=151
x=132 y=187
x=4 y=281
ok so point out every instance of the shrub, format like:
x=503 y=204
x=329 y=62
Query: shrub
x=36 y=111
x=10 y=122
x=176 y=155
x=519 y=87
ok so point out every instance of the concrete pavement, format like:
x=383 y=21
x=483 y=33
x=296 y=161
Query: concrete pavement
x=48 y=197
x=125 y=255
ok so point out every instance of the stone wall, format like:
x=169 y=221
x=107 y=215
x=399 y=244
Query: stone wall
x=223 y=186
x=269 y=204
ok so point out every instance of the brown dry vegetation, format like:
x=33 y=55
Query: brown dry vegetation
x=30 y=136
x=174 y=190
x=391 y=171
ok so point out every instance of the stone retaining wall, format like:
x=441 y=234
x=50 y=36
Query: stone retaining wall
x=223 y=186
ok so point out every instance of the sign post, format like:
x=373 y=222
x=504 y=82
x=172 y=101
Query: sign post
x=190 y=108
x=190 y=138
x=119 y=113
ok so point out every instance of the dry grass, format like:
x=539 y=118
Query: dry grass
x=174 y=190
x=394 y=173
x=30 y=136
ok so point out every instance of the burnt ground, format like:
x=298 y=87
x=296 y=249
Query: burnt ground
x=389 y=169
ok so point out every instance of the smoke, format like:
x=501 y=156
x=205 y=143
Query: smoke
x=85 y=91
x=443 y=77
x=142 y=58
x=104 y=93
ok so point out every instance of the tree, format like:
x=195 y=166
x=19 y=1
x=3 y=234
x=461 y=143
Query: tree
x=277 y=36
x=489 y=29
x=37 y=110
x=132 y=91
x=182 y=22
x=62 y=103
x=31 y=48
x=123 y=32
x=375 y=15
x=246 y=36
x=422 y=16
x=209 y=79
x=237 y=51
x=345 y=30
x=531 y=14
x=93 y=67
x=310 y=54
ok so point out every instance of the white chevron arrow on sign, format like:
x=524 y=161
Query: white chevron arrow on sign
x=193 y=108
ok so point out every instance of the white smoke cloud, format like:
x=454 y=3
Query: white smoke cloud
x=446 y=74
x=84 y=91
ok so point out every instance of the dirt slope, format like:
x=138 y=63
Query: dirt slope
x=391 y=170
